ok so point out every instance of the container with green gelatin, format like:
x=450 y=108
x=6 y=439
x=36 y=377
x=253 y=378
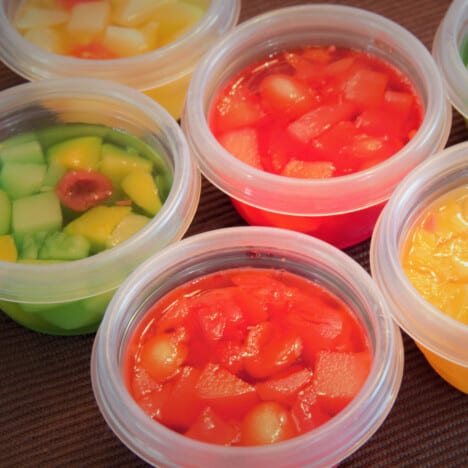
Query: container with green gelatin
x=85 y=196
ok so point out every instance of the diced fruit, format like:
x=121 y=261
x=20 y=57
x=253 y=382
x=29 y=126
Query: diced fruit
x=81 y=190
x=136 y=12
x=93 y=51
x=30 y=243
x=366 y=88
x=49 y=136
x=243 y=144
x=97 y=224
x=308 y=169
x=8 y=251
x=306 y=410
x=212 y=429
x=45 y=38
x=124 y=41
x=62 y=246
x=24 y=152
x=130 y=225
x=116 y=163
x=267 y=423
x=162 y=356
x=80 y=153
x=5 y=213
x=55 y=171
x=227 y=394
x=140 y=186
x=22 y=179
x=35 y=213
x=89 y=18
x=36 y=17
x=339 y=377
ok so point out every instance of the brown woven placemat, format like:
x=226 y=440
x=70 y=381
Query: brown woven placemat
x=48 y=416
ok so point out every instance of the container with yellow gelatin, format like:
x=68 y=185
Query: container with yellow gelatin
x=150 y=45
x=419 y=258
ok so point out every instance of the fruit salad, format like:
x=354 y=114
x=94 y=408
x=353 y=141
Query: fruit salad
x=435 y=258
x=69 y=191
x=106 y=29
x=246 y=357
x=316 y=112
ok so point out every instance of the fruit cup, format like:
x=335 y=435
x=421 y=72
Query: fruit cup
x=162 y=72
x=304 y=195
x=243 y=250
x=433 y=309
x=90 y=171
x=450 y=50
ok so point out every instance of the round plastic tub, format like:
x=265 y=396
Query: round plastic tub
x=261 y=247
x=340 y=210
x=163 y=74
x=449 y=46
x=441 y=338
x=70 y=298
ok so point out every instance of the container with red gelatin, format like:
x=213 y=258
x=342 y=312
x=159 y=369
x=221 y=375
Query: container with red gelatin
x=248 y=345
x=309 y=116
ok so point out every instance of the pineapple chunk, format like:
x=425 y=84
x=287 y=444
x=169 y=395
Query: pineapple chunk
x=129 y=226
x=97 y=224
x=136 y=12
x=8 y=252
x=89 y=18
x=36 y=17
x=45 y=38
x=124 y=41
x=150 y=32
x=141 y=188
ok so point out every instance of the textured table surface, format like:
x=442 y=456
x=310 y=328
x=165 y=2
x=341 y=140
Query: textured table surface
x=48 y=416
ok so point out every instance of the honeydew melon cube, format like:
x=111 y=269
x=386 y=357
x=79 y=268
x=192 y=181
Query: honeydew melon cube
x=129 y=226
x=52 y=135
x=97 y=224
x=136 y=12
x=45 y=38
x=24 y=152
x=17 y=139
x=8 y=252
x=22 y=179
x=40 y=212
x=89 y=18
x=62 y=246
x=141 y=188
x=5 y=213
x=29 y=245
x=37 y=17
x=116 y=163
x=82 y=153
x=124 y=41
x=55 y=172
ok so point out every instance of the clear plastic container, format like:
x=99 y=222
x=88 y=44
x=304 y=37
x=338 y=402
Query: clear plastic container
x=450 y=50
x=163 y=74
x=340 y=210
x=262 y=247
x=441 y=338
x=70 y=298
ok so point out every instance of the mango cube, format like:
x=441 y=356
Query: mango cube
x=141 y=188
x=130 y=225
x=8 y=252
x=77 y=153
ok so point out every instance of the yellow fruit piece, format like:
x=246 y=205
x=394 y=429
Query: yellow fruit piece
x=136 y=12
x=97 y=224
x=124 y=41
x=8 y=252
x=129 y=226
x=37 y=17
x=46 y=38
x=150 y=32
x=82 y=153
x=450 y=220
x=141 y=188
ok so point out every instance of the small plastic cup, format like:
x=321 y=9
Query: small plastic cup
x=450 y=50
x=441 y=338
x=340 y=210
x=70 y=298
x=247 y=246
x=163 y=74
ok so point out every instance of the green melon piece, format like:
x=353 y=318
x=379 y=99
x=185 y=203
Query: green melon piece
x=40 y=212
x=17 y=139
x=24 y=152
x=116 y=163
x=97 y=224
x=63 y=246
x=22 y=179
x=164 y=184
x=5 y=213
x=129 y=226
x=55 y=172
x=29 y=244
x=58 y=133
x=81 y=153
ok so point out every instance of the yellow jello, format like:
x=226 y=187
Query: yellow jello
x=106 y=29
x=436 y=254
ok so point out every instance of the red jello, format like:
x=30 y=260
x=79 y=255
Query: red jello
x=247 y=357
